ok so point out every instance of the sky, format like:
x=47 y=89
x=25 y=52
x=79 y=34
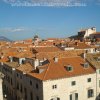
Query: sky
x=22 y=19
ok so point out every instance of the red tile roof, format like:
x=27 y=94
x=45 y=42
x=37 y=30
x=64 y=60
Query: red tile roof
x=80 y=45
x=46 y=49
x=56 y=70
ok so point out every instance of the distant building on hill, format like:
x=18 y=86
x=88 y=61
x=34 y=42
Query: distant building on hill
x=36 y=40
x=85 y=33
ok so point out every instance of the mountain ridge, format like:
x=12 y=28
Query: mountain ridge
x=3 y=38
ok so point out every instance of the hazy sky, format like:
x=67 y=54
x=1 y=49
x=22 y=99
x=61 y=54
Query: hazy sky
x=55 y=18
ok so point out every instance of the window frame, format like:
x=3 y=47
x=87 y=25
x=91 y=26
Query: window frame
x=73 y=83
x=89 y=80
x=54 y=86
x=90 y=93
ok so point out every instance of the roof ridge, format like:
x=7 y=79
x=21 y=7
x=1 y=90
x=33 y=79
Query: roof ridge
x=46 y=71
x=70 y=57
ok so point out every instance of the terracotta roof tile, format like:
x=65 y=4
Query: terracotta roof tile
x=46 y=49
x=26 y=68
x=92 y=58
x=57 y=70
x=80 y=45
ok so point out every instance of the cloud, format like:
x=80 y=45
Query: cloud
x=5 y=30
x=46 y=2
x=18 y=30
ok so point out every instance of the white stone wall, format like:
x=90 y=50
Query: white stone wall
x=89 y=31
x=69 y=48
x=63 y=90
x=98 y=79
x=1 y=92
x=91 y=50
x=64 y=87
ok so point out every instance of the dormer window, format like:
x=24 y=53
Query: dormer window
x=69 y=68
x=21 y=60
x=98 y=59
x=86 y=65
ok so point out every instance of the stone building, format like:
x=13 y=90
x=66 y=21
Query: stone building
x=50 y=79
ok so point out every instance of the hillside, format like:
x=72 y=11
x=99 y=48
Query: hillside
x=2 y=38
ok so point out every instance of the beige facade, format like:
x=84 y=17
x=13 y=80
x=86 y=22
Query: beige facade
x=98 y=83
x=20 y=85
x=89 y=32
x=65 y=88
x=1 y=91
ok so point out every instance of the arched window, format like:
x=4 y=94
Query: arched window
x=55 y=98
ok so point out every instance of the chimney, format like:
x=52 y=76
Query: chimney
x=13 y=69
x=84 y=56
x=76 y=43
x=11 y=58
x=20 y=61
x=2 y=55
x=36 y=63
x=44 y=59
x=24 y=73
x=40 y=62
x=55 y=59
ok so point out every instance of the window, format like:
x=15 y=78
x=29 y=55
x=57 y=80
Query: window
x=90 y=93
x=70 y=96
x=21 y=88
x=69 y=68
x=30 y=82
x=37 y=86
x=37 y=98
x=73 y=83
x=25 y=93
x=76 y=96
x=89 y=79
x=17 y=86
x=17 y=75
x=31 y=96
x=54 y=86
x=86 y=65
x=73 y=96
x=98 y=59
x=20 y=76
